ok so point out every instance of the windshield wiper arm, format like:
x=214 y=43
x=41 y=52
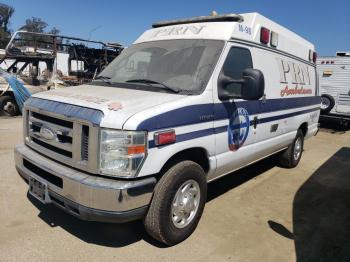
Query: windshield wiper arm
x=152 y=82
x=105 y=79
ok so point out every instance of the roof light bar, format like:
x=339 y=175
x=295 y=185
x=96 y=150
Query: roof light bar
x=201 y=19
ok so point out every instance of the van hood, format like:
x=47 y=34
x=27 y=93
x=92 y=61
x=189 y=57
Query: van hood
x=117 y=104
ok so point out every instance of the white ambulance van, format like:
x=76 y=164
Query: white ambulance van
x=189 y=102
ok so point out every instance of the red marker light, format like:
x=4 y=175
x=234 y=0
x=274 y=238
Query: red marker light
x=164 y=138
x=314 y=57
x=264 y=35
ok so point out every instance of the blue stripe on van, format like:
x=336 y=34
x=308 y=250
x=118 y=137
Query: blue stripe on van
x=222 y=129
x=191 y=114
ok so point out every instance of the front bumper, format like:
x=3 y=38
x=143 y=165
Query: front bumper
x=83 y=195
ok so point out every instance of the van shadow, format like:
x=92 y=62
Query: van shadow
x=321 y=213
x=120 y=235
x=103 y=234
x=239 y=177
x=333 y=127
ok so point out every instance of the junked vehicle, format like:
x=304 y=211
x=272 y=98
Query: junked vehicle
x=43 y=61
x=190 y=101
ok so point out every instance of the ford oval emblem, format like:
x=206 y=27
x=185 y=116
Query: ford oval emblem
x=47 y=133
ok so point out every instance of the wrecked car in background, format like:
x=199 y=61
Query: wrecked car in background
x=45 y=61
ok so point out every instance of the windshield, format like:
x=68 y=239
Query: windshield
x=181 y=66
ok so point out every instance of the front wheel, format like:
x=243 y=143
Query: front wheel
x=177 y=203
x=9 y=106
x=291 y=156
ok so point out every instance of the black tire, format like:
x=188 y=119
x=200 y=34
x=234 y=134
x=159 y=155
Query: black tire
x=287 y=158
x=8 y=106
x=327 y=103
x=159 y=218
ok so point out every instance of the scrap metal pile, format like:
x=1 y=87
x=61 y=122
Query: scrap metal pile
x=43 y=61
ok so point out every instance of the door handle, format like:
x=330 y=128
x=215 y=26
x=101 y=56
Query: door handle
x=255 y=121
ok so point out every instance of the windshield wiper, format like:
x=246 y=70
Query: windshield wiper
x=152 y=82
x=105 y=79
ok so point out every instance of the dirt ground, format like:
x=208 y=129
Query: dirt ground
x=261 y=213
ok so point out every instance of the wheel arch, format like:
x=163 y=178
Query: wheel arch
x=7 y=93
x=198 y=155
x=304 y=128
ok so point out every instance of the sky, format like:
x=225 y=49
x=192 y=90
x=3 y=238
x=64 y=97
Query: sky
x=325 y=23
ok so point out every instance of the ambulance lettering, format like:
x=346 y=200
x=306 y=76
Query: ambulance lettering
x=179 y=30
x=296 y=75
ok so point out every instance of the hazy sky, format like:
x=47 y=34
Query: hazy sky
x=324 y=23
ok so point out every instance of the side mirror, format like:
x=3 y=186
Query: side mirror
x=252 y=85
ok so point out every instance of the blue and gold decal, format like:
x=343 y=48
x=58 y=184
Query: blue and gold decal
x=238 y=128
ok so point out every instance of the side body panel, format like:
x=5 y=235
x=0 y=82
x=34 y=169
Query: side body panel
x=290 y=100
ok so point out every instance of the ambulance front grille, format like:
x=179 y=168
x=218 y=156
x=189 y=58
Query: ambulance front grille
x=51 y=133
x=73 y=142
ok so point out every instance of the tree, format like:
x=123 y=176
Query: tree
x=6 y=13
x=54 y=31
x=37 y=25
x=34 y=24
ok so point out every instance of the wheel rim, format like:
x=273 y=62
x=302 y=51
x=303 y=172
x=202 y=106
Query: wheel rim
x=10 y=108
x=185 y=204
x=297 y=148
x=325 y=102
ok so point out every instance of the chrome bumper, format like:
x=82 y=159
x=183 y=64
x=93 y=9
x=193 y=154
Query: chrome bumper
x=86 y=196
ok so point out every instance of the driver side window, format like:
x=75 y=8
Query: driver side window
x=237 y=60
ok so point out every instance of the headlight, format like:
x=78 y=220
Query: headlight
x=121 y=152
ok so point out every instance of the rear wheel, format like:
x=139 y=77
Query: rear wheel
x=8 y=106
x=291 y=156
x=327 y=103
x=177 y=203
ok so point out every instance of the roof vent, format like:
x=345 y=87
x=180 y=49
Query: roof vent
x=202 y=19
x=214 y=13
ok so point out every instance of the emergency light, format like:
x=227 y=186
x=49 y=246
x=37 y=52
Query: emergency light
x=264 y=35
x=274 y=39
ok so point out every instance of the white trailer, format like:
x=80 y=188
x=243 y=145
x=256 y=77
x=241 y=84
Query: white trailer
x=334 y=83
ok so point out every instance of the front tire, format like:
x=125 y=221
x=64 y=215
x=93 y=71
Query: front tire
x=177 y=203
x=9 y=106
x=291 y=156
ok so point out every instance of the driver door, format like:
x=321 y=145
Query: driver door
x=234 y=122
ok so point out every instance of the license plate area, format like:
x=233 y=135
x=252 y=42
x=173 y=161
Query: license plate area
x=39 y=190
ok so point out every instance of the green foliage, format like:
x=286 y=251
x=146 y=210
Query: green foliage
x=6 y=12
x=37 y=25
x=34 y=24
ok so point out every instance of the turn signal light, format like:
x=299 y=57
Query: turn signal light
x=164 y=138
x=135 y=150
